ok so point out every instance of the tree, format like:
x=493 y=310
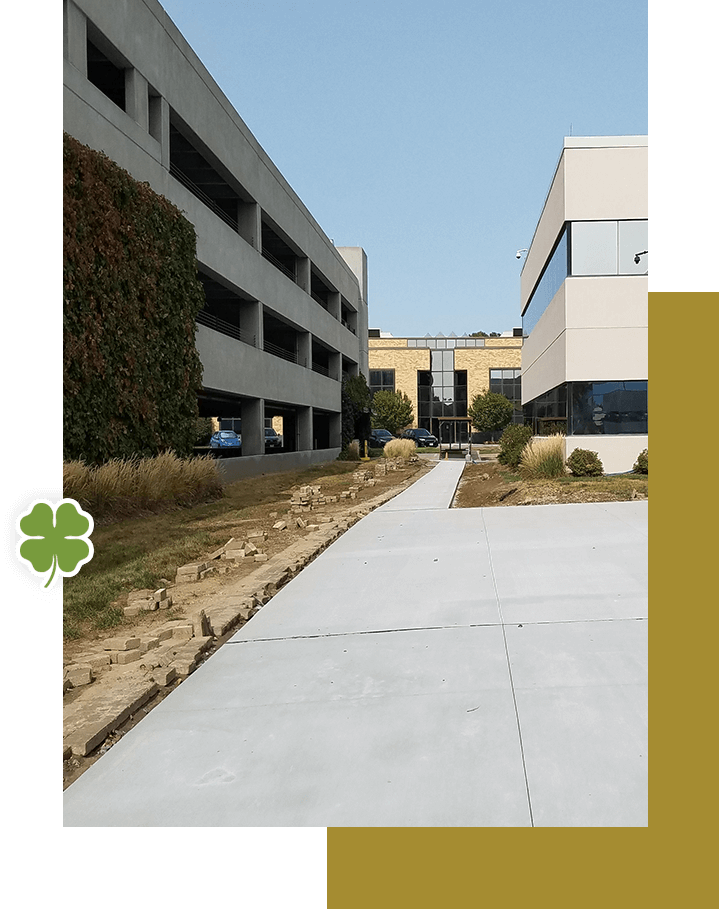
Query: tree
x=356 y=399
x=391 y=410
x=483 y=334
x=490 y=412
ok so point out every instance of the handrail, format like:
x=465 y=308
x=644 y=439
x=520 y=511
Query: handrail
x=226 y=328
x=202 y=196
x=321 y=369
x=276 y=351
x=280 y=265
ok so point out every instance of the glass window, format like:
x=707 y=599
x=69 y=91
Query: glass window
x=594 y=248
x=440 y=344
x=448 y=361
x=381 y=380
x=549 y=283
x=609 y=408
x=411 y=342
x=633 y=239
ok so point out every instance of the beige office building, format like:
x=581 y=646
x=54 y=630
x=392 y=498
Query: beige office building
x=584 y=301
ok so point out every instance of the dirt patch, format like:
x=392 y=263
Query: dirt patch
x=488 y=484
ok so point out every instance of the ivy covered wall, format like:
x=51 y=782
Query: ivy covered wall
x=131 y=294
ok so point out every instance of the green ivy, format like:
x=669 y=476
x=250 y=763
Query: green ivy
x=131 y=370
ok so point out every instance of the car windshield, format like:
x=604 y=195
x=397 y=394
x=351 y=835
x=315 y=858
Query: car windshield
x=270 y=432
x=227 y=435
x=382 y=432
x=423 y=432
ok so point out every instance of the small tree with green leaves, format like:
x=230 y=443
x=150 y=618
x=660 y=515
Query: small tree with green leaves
x=356 y=399
x=391 y=410
x=490 y=412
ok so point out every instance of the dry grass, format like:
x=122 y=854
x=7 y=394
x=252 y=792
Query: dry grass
x=543 y=458
x=400 y=448
x=122 y=488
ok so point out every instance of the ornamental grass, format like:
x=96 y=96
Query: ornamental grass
x=543 y=458
x=400 y=448
x=121 y=488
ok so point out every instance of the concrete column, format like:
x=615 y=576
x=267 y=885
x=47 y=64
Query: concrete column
x=253 y=426
x=251 y=322
x=304 y=349
x=335 y=363
x=305 y=441
x=249 y=223
x=303 y=273
x=335 y=306
x=75 y=36
x=336 y=430
x=159 y=126
x=136 y=98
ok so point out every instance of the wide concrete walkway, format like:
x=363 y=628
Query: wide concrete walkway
x=432 y=668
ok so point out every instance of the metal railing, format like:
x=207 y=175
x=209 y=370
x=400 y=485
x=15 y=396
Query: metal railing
x=276 y=351
x=322 y=370
x=318 y=299
x=280 y=265
x=206 y=318
x=202 y=196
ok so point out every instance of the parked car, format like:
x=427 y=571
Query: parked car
x=226 y=439
x=378 y=438
x=273 y=442
x=422 y=437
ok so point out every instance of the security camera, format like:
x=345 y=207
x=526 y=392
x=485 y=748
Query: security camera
x=636 y=260
x=519 y=255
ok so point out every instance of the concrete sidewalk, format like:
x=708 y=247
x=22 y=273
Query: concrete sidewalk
x=432 y=668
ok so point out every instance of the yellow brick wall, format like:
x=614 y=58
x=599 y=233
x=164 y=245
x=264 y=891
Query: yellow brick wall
x=392 y=353
x=406 y=364
x=479 y=360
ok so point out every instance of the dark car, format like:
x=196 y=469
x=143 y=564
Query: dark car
x=423 y=438
x=378 y=438
x=273 y=442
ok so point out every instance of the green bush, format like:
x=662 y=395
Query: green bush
x=203 y=430
x=585 y=463
x=642 y=463
x=490 y=412
x=391 y=410
x=512 y=443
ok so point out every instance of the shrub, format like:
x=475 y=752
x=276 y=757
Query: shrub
x=490 y=412
x=642 y=463
x=351 y=452
x=585 y=463
x=391 y=410
x=399 y=448
x=512 y=443
x=543 y=458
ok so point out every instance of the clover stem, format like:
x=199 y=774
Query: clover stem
x=54 y=566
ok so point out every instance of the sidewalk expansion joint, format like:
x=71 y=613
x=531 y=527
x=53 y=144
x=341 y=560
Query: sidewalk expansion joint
x=344 y=634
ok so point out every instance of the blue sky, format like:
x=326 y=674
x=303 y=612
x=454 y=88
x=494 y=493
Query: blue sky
x=427 y=133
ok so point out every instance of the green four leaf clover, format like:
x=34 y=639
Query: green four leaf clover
x=56 y=543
